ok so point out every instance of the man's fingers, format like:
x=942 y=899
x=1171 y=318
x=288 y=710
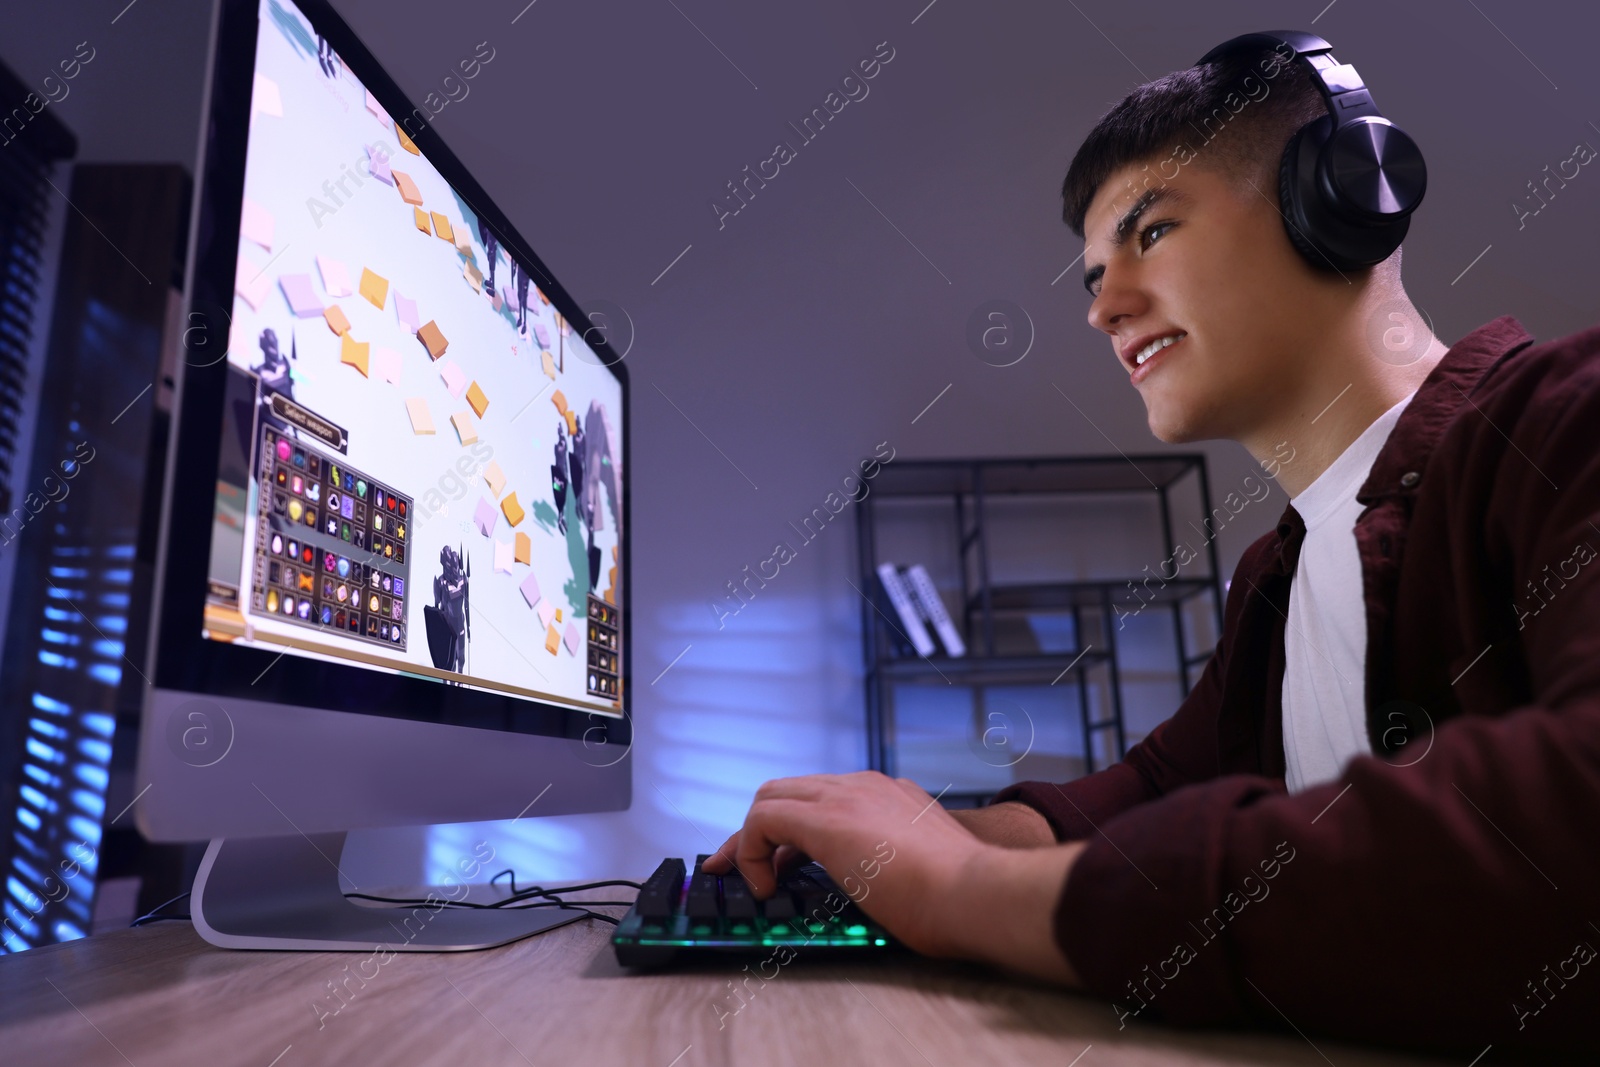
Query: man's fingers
x=769 y=826
x=805 y=787
x=721 y=861
x=786 y=857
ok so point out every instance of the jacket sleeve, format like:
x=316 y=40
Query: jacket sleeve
x=1444 y=900
x=1180 y=751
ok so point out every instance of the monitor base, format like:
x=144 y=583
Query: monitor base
x=284 y=894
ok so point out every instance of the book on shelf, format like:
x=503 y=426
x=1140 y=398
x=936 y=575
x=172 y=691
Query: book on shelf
x=933 y=609
x=903 y=600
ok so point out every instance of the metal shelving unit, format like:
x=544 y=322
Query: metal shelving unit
x=969 y=486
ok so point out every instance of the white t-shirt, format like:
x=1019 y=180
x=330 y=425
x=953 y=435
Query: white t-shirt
x=1325 y=641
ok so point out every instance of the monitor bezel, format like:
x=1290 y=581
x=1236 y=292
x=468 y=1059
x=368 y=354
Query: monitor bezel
x=184 y=660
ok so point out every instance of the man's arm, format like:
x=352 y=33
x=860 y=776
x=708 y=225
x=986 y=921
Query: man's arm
x=1009 y=824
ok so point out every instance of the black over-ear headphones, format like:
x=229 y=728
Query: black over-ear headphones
x=1349 y=180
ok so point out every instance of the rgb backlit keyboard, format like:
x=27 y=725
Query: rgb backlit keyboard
x=682 y=914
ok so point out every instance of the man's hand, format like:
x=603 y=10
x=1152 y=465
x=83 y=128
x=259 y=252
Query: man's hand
x=912 y=866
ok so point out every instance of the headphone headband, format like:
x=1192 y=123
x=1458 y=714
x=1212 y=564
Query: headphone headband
x=1348 y=180
x=1343 y=92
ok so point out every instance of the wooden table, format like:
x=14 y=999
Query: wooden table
x=160 y=995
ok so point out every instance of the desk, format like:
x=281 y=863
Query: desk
x=158 y=995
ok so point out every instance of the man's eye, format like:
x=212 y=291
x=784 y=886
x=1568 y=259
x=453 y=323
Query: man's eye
x=1144 y=233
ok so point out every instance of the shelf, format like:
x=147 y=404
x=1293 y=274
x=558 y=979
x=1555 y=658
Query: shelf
x=989 y=613
x=1060 y=596
x=988 y=669
x=1069 y=474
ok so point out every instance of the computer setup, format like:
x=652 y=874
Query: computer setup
x=343 y=639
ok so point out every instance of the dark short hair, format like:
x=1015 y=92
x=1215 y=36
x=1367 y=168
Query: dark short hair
x=1234 y=116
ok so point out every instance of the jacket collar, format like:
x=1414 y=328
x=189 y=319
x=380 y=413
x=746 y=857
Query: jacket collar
x=1401 y=463
x=1403 y=460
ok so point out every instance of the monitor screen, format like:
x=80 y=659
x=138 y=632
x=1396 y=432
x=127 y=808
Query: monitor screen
x=420 y=459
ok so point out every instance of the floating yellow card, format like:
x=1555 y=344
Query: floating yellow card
x=374 y=287
x=354 y=352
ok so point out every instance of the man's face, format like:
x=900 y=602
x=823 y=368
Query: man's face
x=1208 y=258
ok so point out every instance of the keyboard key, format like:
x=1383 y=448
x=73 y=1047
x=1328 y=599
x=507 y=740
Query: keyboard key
x=737 y=903
x=659 y=897
x=702 y=901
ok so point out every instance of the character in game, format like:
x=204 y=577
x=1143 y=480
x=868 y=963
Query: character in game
x=327 y=58
x=558 y=476
x=490 y=250
x=583 y=498
x=519 y=278
x=273 y=370
x=449 y=617
x=575 y=473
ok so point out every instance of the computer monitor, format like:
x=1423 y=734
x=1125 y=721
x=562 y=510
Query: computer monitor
x=392 y=586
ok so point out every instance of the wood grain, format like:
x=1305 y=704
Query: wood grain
x=160 y=995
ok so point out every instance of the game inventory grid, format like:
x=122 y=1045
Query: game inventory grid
x=604 y=670
x=330 y=544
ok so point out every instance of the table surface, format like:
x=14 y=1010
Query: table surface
x=161 y=995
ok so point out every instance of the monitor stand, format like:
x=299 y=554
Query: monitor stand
x=284 y=893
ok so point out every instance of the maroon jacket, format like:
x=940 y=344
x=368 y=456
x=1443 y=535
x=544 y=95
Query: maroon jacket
x=1444 y=893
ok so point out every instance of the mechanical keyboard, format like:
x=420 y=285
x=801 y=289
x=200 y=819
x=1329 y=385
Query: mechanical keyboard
x=681 y=915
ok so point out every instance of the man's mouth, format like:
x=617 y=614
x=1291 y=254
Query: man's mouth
x=1152 y=352
x=1155 y=346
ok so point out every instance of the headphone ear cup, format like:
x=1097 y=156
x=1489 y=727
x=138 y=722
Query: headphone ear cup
x=1291 y=189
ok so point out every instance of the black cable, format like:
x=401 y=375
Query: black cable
x=540 y=891
x=509 y=904
x=153 y=915
x=557 y=903
x=415 y=903
x=602 y=918
x=573 y=907
x=513 y=902
x=518 y=896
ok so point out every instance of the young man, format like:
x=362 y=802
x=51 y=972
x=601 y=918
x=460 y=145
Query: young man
x=1374 y=816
